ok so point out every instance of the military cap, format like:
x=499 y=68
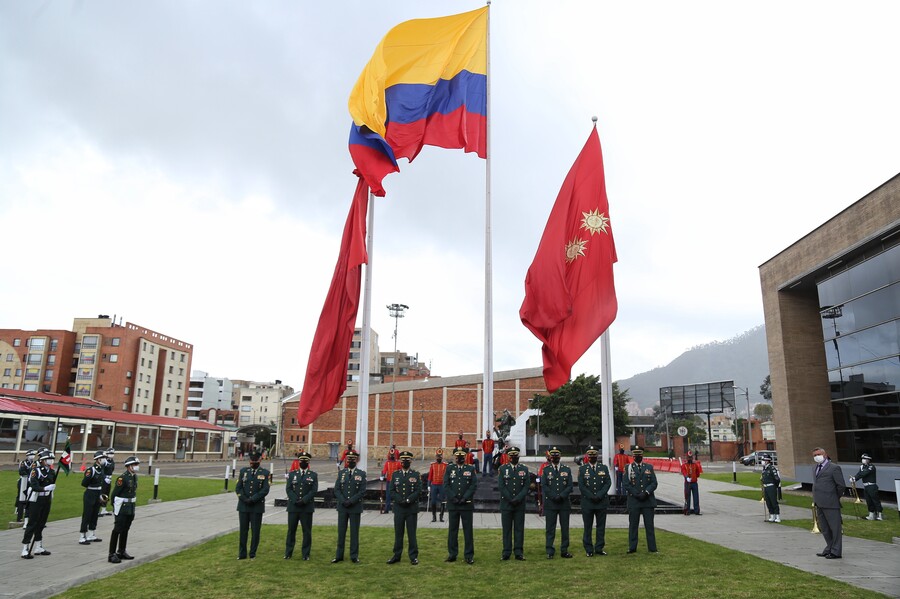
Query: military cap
x=460 y=451
x=637 y=450
x=132 y=461
x=866 y=456
x=512 y=451
x=349 y=441
x=99 y=454
x=45 y=454
x=439 y=451
x=304 y=455
x=30 y=453
x=621 y=446
x=352 y=454
x=406 y=455
x=255 y=456
x=592 y=451
x=554 y=451
x=110 y=451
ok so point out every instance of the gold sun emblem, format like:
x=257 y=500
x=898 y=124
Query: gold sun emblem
x=594 y=221
x=575 y=248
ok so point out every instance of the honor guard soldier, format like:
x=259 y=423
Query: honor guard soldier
x=349 y=490
x=639 y=484
x=108 y=471
x=405 y=487
x=302 y=486
x=513 y=480
x=41 y=484
x=620 y=462
x=123 y=496
x=594 y=482
x=866 y=474
x=251 y=489
x=387 y=472
x=342 y=461
x=557 y=484
x=436 y=496
x=93 y=498
x=770 y=479
x=691 y=471
x=25 y=467
x=460 y=482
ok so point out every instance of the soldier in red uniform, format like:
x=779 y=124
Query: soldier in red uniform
x=436 y=494
x=342 y=462
x=487 y=450
x=620 y=463
x=390 y=466
x=460 y=442
x=691 y=471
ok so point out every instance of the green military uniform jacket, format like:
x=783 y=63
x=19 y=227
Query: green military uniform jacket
x=556 y=483
x=460 y=483
x=594 y=482
x=40 y=478
x=866 y=474
x=125 y=488
x=406 y=485
x=302 y=486
x=513 y=481
x=639 y=478
x=93 y=477
x=252 y=485
x=770 y=476
x=350 y=486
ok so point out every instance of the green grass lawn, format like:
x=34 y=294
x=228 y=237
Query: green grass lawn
x=67 y=499
x=683 y=568
x=747 y=479
x=882 y=531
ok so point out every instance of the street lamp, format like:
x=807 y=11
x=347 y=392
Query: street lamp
x=747 y=438
x=396 y=312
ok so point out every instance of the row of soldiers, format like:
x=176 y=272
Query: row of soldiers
x=458 y=482
x=37 y=485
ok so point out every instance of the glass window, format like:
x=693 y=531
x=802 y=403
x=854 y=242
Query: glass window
x=7 y=372
x=875 y=377
x=30 y=387
x=51 y=360
x=127 y=391
x=9 y=357
x=116 y=341
x=54 y=343
x=17 y=342
x=90 y=341
x=37 y=343
x=113 y=357
x=167 y=438
x=878 y=271
x=125 y=437
x=34 y=358
x=147 y=439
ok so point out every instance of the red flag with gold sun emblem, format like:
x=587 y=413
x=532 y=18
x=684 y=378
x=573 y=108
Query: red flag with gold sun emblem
x=570 y=295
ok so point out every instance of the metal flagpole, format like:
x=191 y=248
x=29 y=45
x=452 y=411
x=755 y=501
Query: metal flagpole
x=362 y=411
x=487 y=413
x=606 y=401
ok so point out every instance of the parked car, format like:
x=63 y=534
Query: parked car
x=755 y=457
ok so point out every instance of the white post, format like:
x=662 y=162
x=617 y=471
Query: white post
x=606 y=403
x=362 y=403
x=487 y=413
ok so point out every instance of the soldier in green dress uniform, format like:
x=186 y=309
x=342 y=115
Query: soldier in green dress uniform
x=868 y=477
x=460 y=482
x=405 y=488
x=302 y=486
x=349 y=490
x=639 y=484
x=513 y=481
x=594 y=482
x=769 y=479
x=556 y=486
x=252 y=488
x=123 y=495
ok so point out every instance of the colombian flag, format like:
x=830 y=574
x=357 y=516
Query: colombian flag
x=426 y=84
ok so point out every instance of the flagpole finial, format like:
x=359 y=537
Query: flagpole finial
x=594 y=119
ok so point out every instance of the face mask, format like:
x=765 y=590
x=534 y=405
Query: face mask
x=136 y=468
x=621 y=451
x=690 y=460
x=865 y=462
x=405 y=464
x=818 y=459
x=592 y=459
x=638 y=459
x=254 y=465
x=304 y=465
x=461 y=459
x=555 y=459
x=513 y=459
x=103 y=461
x=351 y=463
x=49 y=463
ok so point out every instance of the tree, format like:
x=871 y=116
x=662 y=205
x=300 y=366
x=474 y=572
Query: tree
x=763 y=411
x=766 y=388
x=695 y=425
x=573 y=411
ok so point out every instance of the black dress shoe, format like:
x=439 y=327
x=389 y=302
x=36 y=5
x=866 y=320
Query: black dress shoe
x=832 y=556
x=470 y=560
x=505 y=558
x=823 y=554
x=306 y=558
x=44 y=552
x=589 y=553
x=96 y=540
x=632 y=550
x=520 y=558
x=601 y=552
x=450 y=559
x=84 y=542
x=242 y=557
x=393 y=560
x=124 y=555
x=566 y=555
x=653 y=551
x=114 y=559
x=355 y=561
x=286 y=556
x=414 y=562
x=337 y=559
x=549 y=556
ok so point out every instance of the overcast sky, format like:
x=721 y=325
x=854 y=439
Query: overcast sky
x=184 y=165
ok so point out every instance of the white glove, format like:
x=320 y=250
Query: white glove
x=381 y=478
x=688 y=479
x=537 y=479
x=852 y=479
x=107 y=479
x=50 y=487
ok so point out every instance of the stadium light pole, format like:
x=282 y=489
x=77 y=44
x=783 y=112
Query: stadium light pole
x=396 y=312
x=747 y=438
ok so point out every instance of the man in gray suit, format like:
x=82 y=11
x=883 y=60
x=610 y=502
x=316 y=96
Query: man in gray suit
x=828 y=487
